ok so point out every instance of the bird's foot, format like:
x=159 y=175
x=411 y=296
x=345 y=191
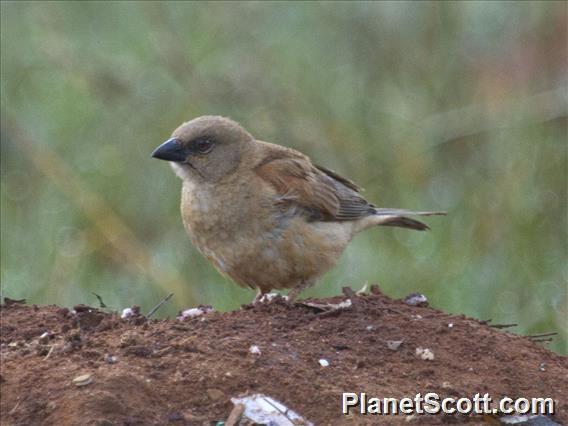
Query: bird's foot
x=267 y=297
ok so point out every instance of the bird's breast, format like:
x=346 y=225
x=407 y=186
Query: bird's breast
x=220 y=219
x=248 y=236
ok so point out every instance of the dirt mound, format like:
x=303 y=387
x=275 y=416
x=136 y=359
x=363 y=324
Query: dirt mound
x=185 y=372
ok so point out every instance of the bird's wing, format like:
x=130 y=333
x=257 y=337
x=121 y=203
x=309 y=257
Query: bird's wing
x=321 y=192
x=347 y=182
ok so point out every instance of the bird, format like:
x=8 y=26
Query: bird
x=263 y=214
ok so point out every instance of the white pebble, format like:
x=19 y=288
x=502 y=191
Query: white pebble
x=393 y=345
x=83 y=380
x=324 y=362
x=126 y=313
x=267 y=297
x=255 y=350
x=194 y=312
x=425 y=353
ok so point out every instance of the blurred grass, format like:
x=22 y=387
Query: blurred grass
x=453 y=106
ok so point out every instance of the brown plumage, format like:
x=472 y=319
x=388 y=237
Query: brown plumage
x=263 y=214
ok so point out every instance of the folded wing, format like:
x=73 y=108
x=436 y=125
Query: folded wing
x=321 y=193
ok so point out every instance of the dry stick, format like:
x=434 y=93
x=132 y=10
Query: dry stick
x=107 y=222
x=503 y=325
x=159 y=305
x=101 y=303
x=9 y=301
x=13 y=410
x=395 y=311
x=50 y=352
x=536 y=336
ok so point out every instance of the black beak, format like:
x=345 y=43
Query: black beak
x=171 y=150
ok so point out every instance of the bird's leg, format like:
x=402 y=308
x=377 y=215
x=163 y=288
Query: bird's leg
x=258 y=298
x=297 y=290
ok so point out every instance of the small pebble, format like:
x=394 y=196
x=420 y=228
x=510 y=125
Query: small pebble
x=43 y=350
x=110 y=359
x=425 y=354
x=44 y=338
x=255 y=350
x=127 y=313
x=416 y=299
x=324 y=362
x=176 y=417
x=393 y=345
x=267 y=297
x=215 y=394
x=82 y=380
x=194 y=312
x=129 y=338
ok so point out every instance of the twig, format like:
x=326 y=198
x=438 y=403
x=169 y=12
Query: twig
x=533 y=336
x=9 y=301
x=13 y=410
x=542 y=340
x=101 y=303
x=394 y=311
x=49 y=353
x=503 y=325
x=363 y=289
x=159 y=305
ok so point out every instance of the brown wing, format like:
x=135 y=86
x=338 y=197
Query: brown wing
x=347 y=182
x=321 y=193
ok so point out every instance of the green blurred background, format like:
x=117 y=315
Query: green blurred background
x=445 y=106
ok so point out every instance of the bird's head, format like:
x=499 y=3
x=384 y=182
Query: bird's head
x=205 y=149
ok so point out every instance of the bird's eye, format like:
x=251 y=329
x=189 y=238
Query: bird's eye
x=203 y=146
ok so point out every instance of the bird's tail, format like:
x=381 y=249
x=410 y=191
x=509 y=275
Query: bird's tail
x=398 y=217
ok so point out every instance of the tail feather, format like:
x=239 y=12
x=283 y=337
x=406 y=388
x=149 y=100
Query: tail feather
x=397 y=217
x=404 y=212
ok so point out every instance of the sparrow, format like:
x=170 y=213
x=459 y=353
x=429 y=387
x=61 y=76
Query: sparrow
x=263 y=214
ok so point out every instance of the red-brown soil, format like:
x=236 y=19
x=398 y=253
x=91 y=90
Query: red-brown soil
x=185 y=372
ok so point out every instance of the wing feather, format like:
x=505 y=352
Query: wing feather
x=322 y=193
